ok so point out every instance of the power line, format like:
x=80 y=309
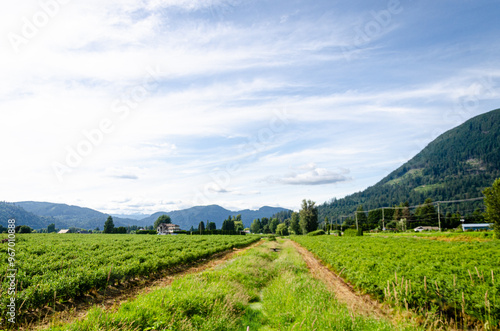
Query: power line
x=417 y=206
x=463 y=200
x=422 y=205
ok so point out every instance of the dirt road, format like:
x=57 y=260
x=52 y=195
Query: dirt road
x=358 y=304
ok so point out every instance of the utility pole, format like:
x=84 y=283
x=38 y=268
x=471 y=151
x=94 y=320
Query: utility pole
x=439 y=218
x=356 y=220
x=383 y=219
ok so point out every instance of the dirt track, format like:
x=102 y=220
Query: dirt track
x=358 y=304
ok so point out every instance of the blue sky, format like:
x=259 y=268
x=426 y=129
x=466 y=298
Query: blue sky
x=136 y=106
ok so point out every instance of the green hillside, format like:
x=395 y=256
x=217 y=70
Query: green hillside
x=459 y=164
x=22 y=217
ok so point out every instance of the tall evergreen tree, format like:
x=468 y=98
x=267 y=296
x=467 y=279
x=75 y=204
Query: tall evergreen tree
x=201 y=227
x=228 y=225
x=51 y=228
x=492 y=203
x=308 y=217
x=109 y=226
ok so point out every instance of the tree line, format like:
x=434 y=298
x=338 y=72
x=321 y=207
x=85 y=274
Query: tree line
x=286 y=223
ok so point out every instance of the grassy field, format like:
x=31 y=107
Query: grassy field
x=54 y=267
x=452 y=280
x=261 y=289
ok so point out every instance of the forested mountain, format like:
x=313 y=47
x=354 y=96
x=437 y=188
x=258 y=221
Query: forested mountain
x=65 y=216
x=193 y=216
x=459 y=164
x=22 y=217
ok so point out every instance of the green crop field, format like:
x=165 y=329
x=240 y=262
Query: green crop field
x=260 y=289
x=429 y=276
x=60 y=267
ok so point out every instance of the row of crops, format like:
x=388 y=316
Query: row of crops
x=456 y=279
x=60 y=267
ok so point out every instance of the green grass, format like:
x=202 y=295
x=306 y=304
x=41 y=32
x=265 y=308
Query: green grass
x=261 y=289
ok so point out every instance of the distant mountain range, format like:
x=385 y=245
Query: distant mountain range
x=459 y=164
x=40 y=214
x=192 y=216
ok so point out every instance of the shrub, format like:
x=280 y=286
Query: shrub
x=353 y=232
x=282 y=230
x=316 y=233
x=146 y=232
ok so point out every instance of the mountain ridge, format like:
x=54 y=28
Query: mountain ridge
x=458 y=164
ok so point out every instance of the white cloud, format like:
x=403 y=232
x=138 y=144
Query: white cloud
x=124 y=173
x=310 y=174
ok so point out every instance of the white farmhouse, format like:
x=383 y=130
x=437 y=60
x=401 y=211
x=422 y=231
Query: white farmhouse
x=166 y=228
